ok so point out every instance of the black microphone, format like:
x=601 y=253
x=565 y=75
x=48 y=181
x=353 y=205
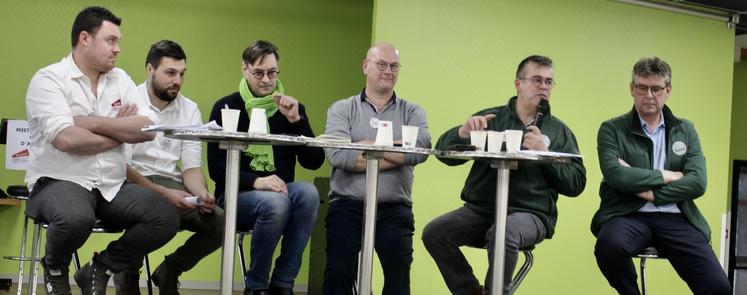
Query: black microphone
x=542 y=108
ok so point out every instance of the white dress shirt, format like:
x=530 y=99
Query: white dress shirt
x=57 y=94
x=162 y=155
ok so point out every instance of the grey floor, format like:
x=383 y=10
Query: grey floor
x=144 y=291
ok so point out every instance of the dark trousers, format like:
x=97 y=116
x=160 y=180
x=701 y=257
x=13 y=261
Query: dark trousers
x=393 y=244
x=686 y=248
x=207 y=227
x=71 y=211
x=444 y=235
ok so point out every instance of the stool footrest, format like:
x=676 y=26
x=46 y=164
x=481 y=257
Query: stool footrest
x=20 y=258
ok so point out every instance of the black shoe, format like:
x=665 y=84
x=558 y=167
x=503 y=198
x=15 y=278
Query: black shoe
x=166 y=279
x=479 y=291
x=275 y=290
x=127 y=282
x=56 y=281
x=248 y=291
x=92 y=278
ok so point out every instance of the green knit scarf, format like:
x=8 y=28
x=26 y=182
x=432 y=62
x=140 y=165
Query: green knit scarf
x=262 y=156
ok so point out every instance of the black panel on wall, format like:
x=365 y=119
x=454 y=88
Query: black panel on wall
x=738 y=233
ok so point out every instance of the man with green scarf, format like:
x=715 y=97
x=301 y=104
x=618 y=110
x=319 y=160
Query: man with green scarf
x=270 y=203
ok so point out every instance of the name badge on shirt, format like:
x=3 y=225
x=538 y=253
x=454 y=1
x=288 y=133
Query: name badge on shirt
x=679 y=148
x=374 y=122
x=166 y=143
x=117 y=105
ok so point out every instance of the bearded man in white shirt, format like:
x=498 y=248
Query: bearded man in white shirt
x=81 y=111
x=154 y=164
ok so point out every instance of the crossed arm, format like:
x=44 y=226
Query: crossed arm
x=659 y=186
x=389 y=161
x=669 y=177
x=91 y=135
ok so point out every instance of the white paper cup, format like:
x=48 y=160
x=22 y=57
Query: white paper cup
x=495 y=141
x=409 y=136
x=230 y=118
x=384 y=134
x=477 y=138
x=258 y=121
x=513 y=140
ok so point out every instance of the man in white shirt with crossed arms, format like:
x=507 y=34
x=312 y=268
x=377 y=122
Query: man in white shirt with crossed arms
x=80 y=111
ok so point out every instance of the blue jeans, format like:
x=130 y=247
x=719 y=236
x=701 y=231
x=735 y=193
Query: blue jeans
x=271 y=215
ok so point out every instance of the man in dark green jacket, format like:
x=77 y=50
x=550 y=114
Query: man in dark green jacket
x=533 y=188
x=653 y=169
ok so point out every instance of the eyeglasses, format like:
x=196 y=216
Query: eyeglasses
x=643 y=89
x=271 y=74
x=538 y=81
x=383 y=65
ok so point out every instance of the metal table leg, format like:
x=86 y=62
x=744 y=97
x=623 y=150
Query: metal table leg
x=369 y=222
x=231 y=195
x=501 y=202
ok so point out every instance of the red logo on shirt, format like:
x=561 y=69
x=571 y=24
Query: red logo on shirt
x=117 y=105
x=22 y=154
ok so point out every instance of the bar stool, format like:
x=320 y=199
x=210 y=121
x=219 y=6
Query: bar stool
x=240 y=243
x=523 y=270
x=20 y=192
x=648 y=252
x=99 y=227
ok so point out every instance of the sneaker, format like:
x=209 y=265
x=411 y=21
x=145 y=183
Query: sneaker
x=166 y=279
x=56 y=281
x=127 y=282
x=92 y=278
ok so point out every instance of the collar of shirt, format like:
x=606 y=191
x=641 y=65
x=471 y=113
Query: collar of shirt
x=76 y=73
x=172 y=107
x=644 y=125
x=364 y=98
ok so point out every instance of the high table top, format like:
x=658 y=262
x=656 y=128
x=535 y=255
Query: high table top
x=282 y=139
x=526 y=155
x=217 y=136
x=369 y=147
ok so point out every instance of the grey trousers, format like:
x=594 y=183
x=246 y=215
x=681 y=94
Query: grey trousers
x=444 y=235
x=71 y=211
x=207 y=228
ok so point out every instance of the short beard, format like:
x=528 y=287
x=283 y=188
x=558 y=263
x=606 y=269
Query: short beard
x=162 y=93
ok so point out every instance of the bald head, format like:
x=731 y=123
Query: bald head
x=381 y=48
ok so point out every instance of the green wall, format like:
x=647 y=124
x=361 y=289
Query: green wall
x=461 y=56
x=321 y=46
x=458 y=57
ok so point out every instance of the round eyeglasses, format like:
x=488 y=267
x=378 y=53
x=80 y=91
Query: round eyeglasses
x=381 y=65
